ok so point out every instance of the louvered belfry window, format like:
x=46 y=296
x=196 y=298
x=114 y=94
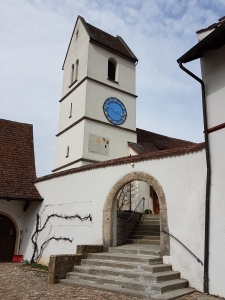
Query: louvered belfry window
x=111 y=70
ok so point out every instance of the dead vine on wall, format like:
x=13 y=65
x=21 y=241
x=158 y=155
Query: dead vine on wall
x=38 y=253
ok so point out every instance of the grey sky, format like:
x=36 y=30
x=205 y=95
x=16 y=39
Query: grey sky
x=34 y=38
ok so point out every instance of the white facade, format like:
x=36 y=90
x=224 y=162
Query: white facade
x=85 y=88
x=75 y=202
x=183 y=181
x=213 y=72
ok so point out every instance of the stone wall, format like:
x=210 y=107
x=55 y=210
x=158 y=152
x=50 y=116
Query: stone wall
x=59 y=265
x=124 y=228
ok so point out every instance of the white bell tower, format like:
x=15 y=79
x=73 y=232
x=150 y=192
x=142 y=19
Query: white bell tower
x=97 y=67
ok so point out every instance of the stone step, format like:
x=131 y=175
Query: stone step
x=173 y=294
x=156 y=268
x=150 y=217
x=124 y=249
x=144 y=259
x=116 y=289
x=146 y=229
x=147 y=226
x=139 y=285
x=168 y=286
x=145 y=232
x=149 y=222
x=143 y=241
x=121 y=264
x=146 y=237
x=139 y=275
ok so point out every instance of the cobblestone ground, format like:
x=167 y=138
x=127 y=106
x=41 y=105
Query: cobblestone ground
x=20 y=283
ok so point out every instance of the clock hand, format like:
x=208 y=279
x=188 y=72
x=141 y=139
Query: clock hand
x=114 y=110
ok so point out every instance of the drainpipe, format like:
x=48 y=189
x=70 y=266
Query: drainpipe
x=208 y=182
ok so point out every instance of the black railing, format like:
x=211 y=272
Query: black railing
x=198 y=259
x=126 y=228
x=142 y=199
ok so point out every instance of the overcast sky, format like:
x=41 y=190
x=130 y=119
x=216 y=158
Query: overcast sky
x=34 y=38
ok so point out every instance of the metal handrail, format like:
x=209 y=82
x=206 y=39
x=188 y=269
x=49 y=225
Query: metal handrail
x=142 y=199
x=198 y=259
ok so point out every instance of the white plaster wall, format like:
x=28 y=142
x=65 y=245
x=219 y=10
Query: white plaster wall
x=72 y=138
x=213 y=73
x=118 y=140
x=131 y=152
x=217 y=219
x=202 y=35
x=78 y=50
x=77 y=98
x=144 y=191
x=96 y=96
x=183 y=181
x=98 y=68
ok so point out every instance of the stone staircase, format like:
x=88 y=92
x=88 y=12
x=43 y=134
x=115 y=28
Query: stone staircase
x=146 y=231
x=130 y=269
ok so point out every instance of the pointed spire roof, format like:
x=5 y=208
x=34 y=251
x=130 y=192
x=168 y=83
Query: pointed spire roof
x=105 y=40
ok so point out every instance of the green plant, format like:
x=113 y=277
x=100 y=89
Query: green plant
x=35 y=265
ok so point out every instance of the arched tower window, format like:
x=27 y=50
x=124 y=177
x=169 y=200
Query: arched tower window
x=112 y=69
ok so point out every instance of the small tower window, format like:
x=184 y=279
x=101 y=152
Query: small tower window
x=67 y=151
x=111 y=69
x=77 y=65
x=71 y=110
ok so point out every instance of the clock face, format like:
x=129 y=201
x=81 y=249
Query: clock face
x=114 y=111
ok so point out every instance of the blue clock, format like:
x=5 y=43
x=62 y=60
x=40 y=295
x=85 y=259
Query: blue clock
x=115 y=111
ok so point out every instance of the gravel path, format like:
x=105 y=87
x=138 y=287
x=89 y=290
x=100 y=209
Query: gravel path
x=20 y=283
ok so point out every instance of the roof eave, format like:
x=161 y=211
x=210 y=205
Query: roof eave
x=113 y=50
x=79 y=17
x=9 y=198
x=207 y=44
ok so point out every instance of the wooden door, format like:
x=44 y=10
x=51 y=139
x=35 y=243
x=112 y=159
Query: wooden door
x=7 y=238
x=156 y=208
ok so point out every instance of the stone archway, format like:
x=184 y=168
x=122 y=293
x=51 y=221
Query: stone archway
x=108 y=209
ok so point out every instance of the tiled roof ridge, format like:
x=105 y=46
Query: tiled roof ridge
x=128 y=52
x=126 y=46
x=16 y=122
x=212 y=26
x=117 y=45
x=86 y=23
x=166 y=136
x=127 y=160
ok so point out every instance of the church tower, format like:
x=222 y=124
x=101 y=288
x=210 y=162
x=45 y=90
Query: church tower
x=98 y=104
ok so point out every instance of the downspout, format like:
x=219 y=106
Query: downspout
x=208 y=181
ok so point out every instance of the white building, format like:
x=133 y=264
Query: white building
x=99 y=150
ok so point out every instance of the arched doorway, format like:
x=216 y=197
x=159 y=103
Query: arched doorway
x=7 y=238
x=109 y=206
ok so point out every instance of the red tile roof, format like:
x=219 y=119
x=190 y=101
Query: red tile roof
x=127 y=160
x=17 y=165
x=148 y=141
x=212 y=26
